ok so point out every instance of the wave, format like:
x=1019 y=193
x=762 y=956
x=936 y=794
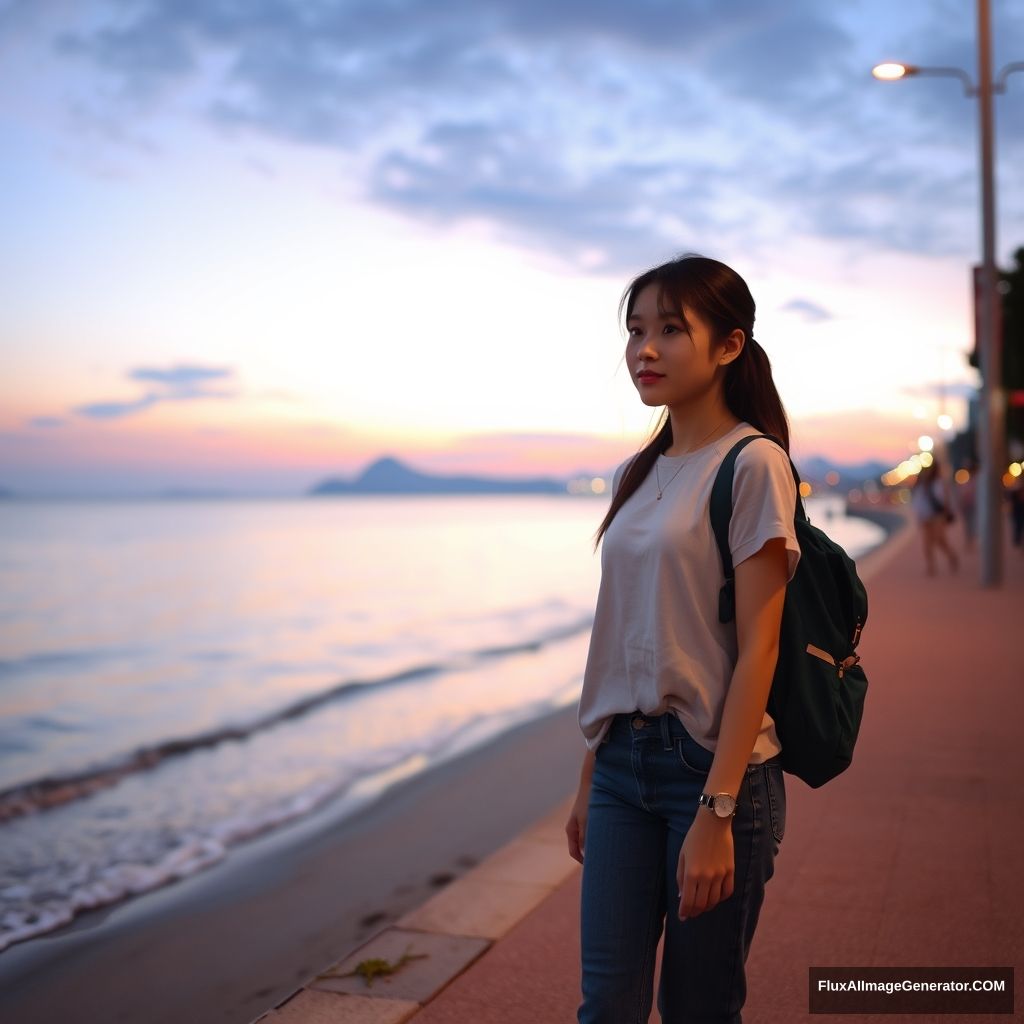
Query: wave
x=48 y=792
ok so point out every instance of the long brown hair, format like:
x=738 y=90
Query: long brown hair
x=719 y=295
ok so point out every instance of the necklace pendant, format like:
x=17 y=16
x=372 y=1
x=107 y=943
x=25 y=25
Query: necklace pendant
x=659 y=495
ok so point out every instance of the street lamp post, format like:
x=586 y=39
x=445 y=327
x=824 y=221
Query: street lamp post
x=992 y=419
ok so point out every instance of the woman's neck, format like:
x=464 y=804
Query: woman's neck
x=695 y=431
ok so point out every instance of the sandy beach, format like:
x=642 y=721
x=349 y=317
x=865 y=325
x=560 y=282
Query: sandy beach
x=224 y=945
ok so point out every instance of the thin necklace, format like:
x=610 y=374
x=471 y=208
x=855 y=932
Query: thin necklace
x=657 y=476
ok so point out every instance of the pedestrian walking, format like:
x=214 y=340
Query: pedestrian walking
x=931 y=506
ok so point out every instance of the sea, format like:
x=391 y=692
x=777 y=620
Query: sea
x=180 y=676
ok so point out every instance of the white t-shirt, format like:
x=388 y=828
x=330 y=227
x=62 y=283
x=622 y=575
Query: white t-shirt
x=921 y=503
x=656 y=643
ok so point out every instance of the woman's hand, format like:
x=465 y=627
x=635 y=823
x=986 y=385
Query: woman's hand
x=576 y=826
x=706 y=864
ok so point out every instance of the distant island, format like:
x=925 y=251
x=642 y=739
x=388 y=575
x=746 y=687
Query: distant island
x=389 y=476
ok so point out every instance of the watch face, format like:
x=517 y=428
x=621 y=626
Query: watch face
x=724 y=805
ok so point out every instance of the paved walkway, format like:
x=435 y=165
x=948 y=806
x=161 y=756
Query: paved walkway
x=913 y=857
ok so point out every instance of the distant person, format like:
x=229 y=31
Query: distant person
x=682 y=804
x=930 y=504
x=966 y=500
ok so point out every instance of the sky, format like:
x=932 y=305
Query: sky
x=249 y=245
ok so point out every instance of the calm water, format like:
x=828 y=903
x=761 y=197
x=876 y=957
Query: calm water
x=179 y=676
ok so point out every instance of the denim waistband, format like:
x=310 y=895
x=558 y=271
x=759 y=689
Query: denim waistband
x=668 y=725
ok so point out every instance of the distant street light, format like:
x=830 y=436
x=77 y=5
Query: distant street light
x=992 y=418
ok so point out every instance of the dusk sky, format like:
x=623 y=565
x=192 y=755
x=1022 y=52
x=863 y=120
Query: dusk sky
x=249 y=245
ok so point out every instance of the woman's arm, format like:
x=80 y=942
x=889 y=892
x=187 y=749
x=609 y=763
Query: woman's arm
x=576 y=826
x=760 y=593
x=705 y=871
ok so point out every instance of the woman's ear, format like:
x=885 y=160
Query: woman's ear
x=732 y=346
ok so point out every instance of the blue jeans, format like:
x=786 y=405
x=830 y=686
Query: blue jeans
x=643 y=797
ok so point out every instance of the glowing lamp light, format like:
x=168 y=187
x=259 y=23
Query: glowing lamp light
x=926 y=458
x=805 y=489
x=1016 y=469
x=945 y=421
x=925 y=443
x=890 y=72
x=961 y=476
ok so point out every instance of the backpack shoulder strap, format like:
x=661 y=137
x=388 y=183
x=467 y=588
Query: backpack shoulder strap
x=721 y=498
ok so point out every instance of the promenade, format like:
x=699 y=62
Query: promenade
x=913 y=857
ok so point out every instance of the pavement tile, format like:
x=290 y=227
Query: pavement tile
x=528 y=861
x=313 y=1007
x=439 y=958
x=482 y=907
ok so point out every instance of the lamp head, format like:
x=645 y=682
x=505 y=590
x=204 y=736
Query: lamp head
x=890 y=72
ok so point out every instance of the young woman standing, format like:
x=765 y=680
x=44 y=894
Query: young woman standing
x=682 y=805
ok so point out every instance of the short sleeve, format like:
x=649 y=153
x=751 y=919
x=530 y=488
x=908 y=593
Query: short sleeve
x=617 y=476
x=764 y=503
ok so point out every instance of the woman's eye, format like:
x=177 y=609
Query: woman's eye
x=670 y=329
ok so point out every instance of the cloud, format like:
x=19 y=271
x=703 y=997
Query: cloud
x=809 y=311
x=182 y=377
x=47 y=422
x=605 y=133
x=183 y=382
x=115 y=410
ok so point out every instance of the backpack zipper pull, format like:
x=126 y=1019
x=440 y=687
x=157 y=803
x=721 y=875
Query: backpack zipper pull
x=856 y=633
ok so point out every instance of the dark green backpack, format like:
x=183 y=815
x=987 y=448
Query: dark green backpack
x=818 y=690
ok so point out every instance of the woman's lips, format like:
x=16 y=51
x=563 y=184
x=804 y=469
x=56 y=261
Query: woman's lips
x=649 y=378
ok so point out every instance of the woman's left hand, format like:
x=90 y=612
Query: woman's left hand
x=706 y=864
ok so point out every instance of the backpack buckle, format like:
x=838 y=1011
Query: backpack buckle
x=848 y=663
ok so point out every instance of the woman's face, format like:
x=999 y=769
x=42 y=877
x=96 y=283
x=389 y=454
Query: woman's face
x=684 y=360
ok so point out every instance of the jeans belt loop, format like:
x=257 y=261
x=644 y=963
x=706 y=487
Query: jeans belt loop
x=665 y=735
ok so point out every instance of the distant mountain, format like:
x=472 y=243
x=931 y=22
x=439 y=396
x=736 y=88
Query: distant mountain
x=389 y=476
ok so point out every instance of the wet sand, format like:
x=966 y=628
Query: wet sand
x=229 y=943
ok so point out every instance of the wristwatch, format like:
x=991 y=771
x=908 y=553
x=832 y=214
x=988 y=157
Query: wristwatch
x=721 y=804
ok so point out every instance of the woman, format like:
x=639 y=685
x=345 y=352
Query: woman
x=929 y=504
x=682 y=805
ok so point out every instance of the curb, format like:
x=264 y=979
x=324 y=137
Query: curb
x=441 y=938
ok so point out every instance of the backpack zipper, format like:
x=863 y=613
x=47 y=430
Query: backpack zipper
x=845 y=664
